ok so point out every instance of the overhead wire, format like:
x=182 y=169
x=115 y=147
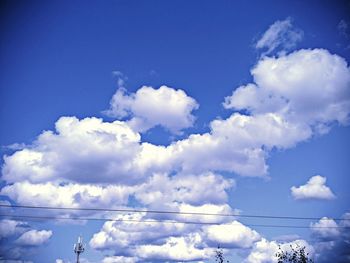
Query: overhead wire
x=160 y=221
x=171 y=212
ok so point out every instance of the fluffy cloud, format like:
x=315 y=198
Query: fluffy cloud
x=201 y=193
x=11 y=227
x=87 y=150
x=294 y=97
x=280 y=35
x=128 y=232
x=168 y=241
x=34 y=237
x=185 y=248
x=265 y=251
x=119 y=259
x=18 y=240
x=315 y=188
x=69 y=195
x=188 y=189
x=307 y=88
x=233 y=234
x=331 y=241
x=163 y=241
x=94 y=163
x=325 y=229
x=149 y=107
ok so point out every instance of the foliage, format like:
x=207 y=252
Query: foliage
x=219 y=256
x=297 y=254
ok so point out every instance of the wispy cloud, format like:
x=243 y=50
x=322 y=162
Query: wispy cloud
x=343 y=28
x=281 y=36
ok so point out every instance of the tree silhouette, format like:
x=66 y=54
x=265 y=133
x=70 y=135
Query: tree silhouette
x=296 y=255
x=219 y=256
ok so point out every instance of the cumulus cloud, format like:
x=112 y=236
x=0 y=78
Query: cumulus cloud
x=168 y=241
x=119 y=259
x=315 y=188
x=325 y=229
x=69 y=195
x=185 y=248
x=280 y=35
x=307 y=88
x=18 y=240
x=293 y=98
x=149 y=107
x=94 y=163
x=200 y=193
x=332 y=241
x=127 y=232
x=231 y=235
x=265 y=251
x=10 y=227
x=187 y=189
x=79 y=150
x=34 y=237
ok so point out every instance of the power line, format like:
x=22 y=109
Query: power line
x=168 y=212
x=158 y=221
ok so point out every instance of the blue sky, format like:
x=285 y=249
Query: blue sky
x=200 y=106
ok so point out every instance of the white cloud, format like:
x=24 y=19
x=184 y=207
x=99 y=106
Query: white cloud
x=233 y=234
x=207 y=208
x=127 y=233
x=264 y=251
x=189 y=189
x=307 y=88
x=325 y=229
x=201 y=193
x=208 y=152
x=185 y=248
x=331 y=241
x=168 y=241
x=293 y=98
x=346 y=221
x=68 y=195
x=149 y=107
x=92 y=163
x=119 y=259
x=34 y=237
x=19 y=240
x=280 y=35
x=315 y=188
x=78 y=151
x=11 y=227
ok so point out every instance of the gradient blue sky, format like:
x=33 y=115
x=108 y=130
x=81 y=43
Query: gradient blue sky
x=60 y=58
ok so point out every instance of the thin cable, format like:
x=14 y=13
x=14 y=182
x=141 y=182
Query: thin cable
x=170 y=212
x=155 y=221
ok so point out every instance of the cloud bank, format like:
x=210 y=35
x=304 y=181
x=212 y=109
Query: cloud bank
x=91 y=162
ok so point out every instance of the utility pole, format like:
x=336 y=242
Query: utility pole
x=79 y=248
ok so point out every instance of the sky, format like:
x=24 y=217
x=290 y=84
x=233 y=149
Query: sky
x=219 y=107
